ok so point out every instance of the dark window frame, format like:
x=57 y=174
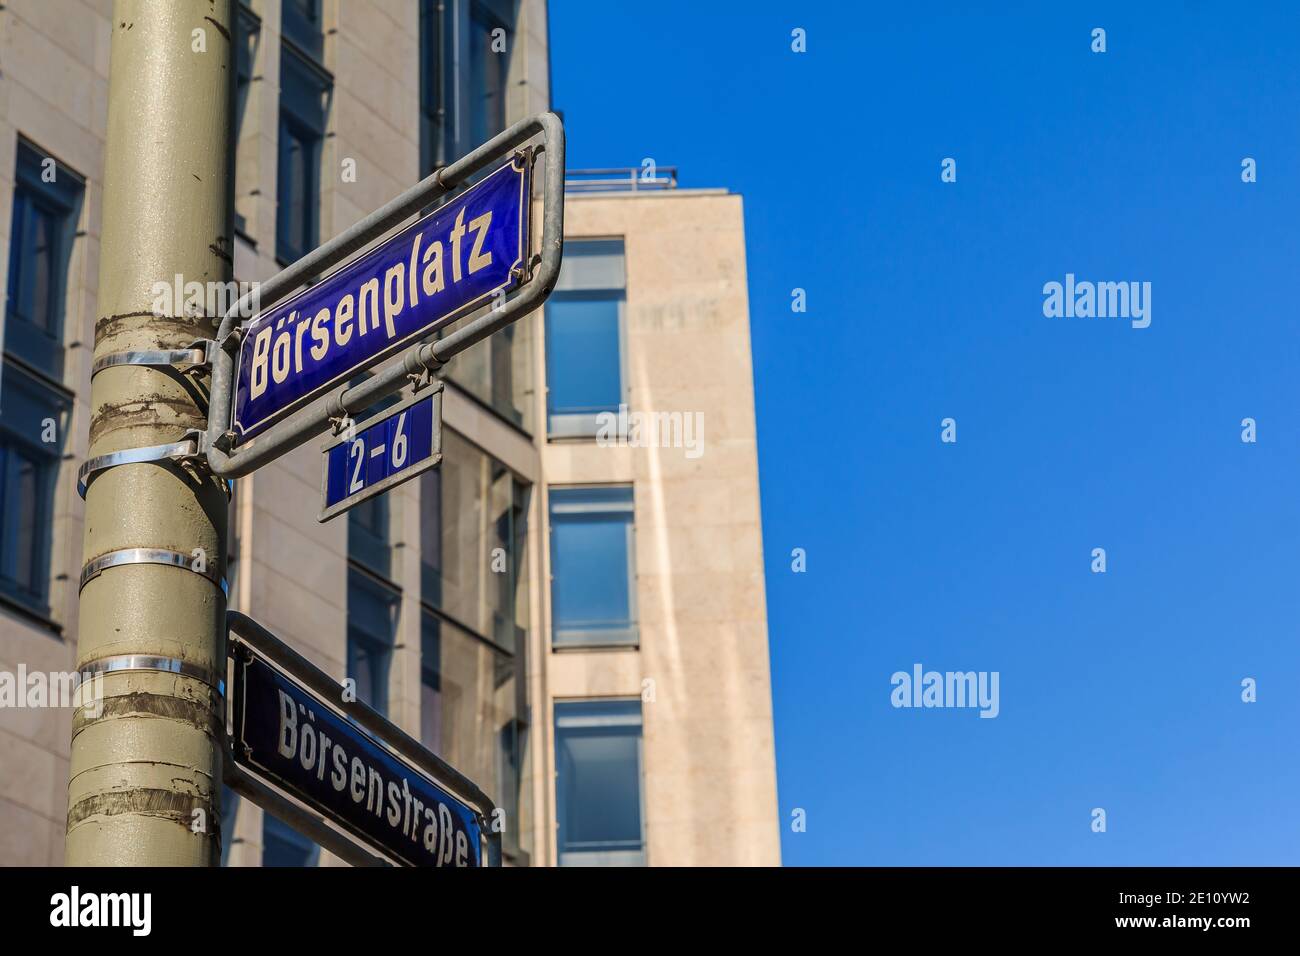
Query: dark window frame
x=306 y=94
x=248 y=38
x=377 y=696
x=447 y=106
x=38 y=340
x=32 y=373
x=617 y=853
x=516 y=656
x=47 y=460
x=431 y=677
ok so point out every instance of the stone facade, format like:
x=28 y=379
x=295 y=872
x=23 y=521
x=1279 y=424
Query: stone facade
x=709 y=784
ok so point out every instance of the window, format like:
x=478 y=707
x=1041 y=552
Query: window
x=372 y=632
x=35 y=408
x=474 y=614
x=34 y=421
x=593 y=576
x=373 y=597
x=368 y=535
x=248 y=29
x=465 y=50
x=489 y=62
x=469 y=711
x=584 y=338
x=46 y=207
x=304 y=92
x=301 y=23
x=464 y=66
x=282 y=845
x=498 y=372
x=598 y=783
x=472 y=529
x=435 y=85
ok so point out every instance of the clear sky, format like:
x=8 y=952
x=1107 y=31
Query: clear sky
x=1120 y=690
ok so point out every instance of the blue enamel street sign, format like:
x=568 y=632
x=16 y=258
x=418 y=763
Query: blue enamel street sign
x=293 y=739
x=395 y=446
x=428 y=275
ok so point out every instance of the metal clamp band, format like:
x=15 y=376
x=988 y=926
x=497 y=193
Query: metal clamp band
x=153 y=662
x=200 y=353
x=113 y=559
x=189 y=447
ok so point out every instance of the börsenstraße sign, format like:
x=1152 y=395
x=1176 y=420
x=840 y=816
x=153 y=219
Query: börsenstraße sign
x=288 y=736
x=426 y=276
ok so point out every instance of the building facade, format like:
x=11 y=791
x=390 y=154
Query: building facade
x=570 y=609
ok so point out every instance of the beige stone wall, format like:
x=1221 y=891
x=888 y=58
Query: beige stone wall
x=709 y=765
x=54 y=93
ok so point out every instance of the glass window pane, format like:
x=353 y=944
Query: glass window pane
x=372 y=631
x=247 y=30
x=298 y=195
x=583 y=365
x=301 y=22
x=598 y=782
x=591 y=579
x=295 y=167
x=303 y=93
x=592 y=598
x=436 y=61
x=23 y=486
x=368 y=542
x=41 y=236
x=498 y=372
x=46 y=204
x=31 y=413
x=468 y=710
x=468 y=540
x=488 y=68
x=592 y=265
x=282 y=845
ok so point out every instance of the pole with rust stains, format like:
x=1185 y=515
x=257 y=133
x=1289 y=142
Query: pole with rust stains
x=145 y=780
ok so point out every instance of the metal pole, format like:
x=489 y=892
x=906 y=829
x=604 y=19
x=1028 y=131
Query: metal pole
x=145 y=778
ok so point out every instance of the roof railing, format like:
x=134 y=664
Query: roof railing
x=620 y=179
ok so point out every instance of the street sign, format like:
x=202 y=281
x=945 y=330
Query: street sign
x=286 y=396
x=300 y=750
x=428 y=275
x=394 y=447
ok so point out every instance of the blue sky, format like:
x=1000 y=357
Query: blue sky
x=1119 y=690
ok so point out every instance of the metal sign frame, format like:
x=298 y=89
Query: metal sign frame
x=510 y=180
x=226 y=460
x=328 y=510
x=247 y=637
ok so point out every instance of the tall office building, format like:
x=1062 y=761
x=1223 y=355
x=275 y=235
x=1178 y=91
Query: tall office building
x=570 y=609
